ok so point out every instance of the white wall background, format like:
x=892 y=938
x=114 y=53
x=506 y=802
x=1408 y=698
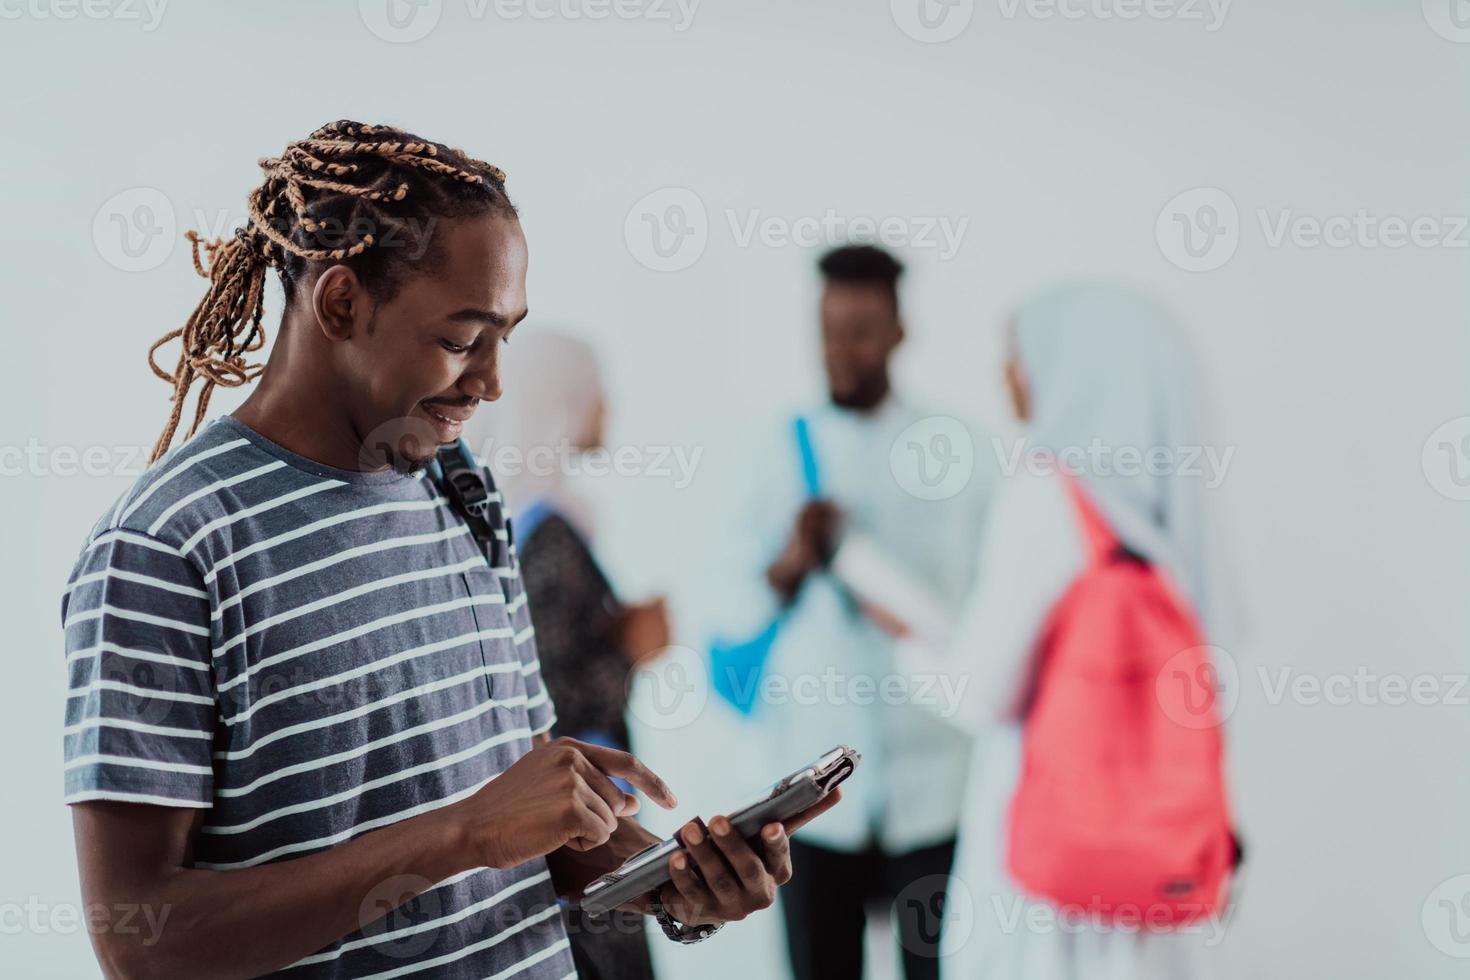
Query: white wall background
x=1059 y=140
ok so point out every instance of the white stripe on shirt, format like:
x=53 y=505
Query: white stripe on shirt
x=260 y=508
x=173 y=471
x=363 y=671
x=238 y=478
x=321 y=525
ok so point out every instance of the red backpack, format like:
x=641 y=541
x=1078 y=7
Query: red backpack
x=1120 y=813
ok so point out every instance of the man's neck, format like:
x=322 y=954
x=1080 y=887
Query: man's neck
x=300 y=411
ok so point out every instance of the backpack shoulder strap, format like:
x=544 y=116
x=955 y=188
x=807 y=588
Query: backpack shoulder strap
x=1098 y=538
x=467 y=486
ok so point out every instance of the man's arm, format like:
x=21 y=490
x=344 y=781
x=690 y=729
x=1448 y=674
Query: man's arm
x=133 y=854
x=557 y=796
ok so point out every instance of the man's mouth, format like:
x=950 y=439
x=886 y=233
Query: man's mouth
x=449 y=414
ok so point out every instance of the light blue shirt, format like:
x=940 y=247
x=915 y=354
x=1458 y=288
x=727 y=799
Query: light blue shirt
x=831 y=677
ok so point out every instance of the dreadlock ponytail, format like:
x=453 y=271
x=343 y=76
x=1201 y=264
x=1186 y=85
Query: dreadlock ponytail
x=236 y=273
x=347 y=194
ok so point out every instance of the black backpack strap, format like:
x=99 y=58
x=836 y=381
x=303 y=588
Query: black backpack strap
x=469 y=490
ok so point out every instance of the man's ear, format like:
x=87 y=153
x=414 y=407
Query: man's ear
x=340 y=303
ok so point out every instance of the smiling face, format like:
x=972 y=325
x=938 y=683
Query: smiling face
x=414 y=367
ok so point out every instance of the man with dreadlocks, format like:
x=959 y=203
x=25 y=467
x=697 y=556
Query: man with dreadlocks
x=305 y=720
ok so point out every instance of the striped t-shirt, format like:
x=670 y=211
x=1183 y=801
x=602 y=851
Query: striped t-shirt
x=309 y=654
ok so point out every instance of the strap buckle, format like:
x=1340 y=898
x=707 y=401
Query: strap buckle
x=455 y=472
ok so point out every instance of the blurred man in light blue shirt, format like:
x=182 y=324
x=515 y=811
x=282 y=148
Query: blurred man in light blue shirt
x=911 y=484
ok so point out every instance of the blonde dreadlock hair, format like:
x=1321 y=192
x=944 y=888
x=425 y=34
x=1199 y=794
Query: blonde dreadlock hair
x=349 y=194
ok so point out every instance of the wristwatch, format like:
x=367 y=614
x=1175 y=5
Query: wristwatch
x=676 y=930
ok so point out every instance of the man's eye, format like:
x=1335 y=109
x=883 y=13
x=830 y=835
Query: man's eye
x=452 y=347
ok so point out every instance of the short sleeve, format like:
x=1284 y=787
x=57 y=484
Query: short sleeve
x=538 y=702
x=140 y=706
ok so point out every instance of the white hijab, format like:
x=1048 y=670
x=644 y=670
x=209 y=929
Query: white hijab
x=552 y=392
x=1108 y=369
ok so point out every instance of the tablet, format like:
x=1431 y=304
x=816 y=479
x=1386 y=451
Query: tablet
x=649 y=868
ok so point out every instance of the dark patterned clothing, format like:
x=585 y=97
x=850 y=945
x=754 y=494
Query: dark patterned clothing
x=577 y=621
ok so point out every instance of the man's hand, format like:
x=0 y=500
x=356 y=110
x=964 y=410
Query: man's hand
x=557 y=795
x=724 y=878
x=809 y=547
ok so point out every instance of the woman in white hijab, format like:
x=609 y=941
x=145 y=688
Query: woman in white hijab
x=1101 y=377
x=587 y=640
x=531 y=435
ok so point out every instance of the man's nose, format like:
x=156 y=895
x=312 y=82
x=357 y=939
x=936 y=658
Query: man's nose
x=483 y=381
